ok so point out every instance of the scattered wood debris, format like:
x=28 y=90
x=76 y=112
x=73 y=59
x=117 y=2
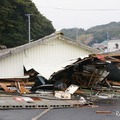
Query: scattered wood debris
x=103 y=112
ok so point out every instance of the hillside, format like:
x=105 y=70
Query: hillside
x=95 y=34
x=14 y=22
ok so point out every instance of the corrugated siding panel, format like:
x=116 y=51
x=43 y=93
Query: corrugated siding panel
x=112 y=46
x=12 y=66
x=52 y=56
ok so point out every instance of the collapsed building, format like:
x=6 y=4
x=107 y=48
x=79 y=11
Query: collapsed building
x=90 y=72
x=42 y=65
x=19 y=66
x=55 y=63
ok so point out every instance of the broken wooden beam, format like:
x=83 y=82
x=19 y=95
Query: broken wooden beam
x=103 y=112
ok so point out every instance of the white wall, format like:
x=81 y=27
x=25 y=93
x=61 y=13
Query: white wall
x=12 y=66
x=112 y=45
x=52 y=56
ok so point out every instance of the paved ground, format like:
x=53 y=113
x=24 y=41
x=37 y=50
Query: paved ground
x=79 y=114
x=67 y=114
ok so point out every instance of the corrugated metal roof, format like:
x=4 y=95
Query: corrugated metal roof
x=86 y=47
x=8 y=52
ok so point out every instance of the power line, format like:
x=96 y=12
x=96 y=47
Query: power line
x=80 y=9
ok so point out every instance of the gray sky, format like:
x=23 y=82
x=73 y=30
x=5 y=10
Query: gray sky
x=79 y=13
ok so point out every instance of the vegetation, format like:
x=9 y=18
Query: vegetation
x=95 y=34
x=14 y=26
x=14 y=23
x=73 y=32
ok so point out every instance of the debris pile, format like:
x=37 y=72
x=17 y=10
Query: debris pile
x=94 y=77
x=92 y=72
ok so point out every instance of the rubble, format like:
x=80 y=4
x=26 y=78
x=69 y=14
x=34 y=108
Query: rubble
x=88 y=79
x=67 y=93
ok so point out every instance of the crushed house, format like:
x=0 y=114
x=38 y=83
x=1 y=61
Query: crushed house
x=44 y=57
x=95 y=71
x=44 y=72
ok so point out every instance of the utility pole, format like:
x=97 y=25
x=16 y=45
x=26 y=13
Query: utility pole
x=76 y=34
x=29 y=35
x=107 y=36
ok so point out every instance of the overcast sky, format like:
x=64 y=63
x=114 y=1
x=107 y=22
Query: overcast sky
x=79 y=13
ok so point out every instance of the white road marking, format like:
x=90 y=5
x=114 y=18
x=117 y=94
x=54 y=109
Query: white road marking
x=41 y=114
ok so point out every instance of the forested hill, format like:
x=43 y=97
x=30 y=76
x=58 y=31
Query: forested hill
x=95 y=34
x=14 y=22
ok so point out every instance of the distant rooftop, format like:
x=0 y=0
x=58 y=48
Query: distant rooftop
x=114 y=41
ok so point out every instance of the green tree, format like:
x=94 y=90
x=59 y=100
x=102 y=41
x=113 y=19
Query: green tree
x=14 y=23
x=95 y=34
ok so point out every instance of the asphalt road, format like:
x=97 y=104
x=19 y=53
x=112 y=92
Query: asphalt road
x=84 y=113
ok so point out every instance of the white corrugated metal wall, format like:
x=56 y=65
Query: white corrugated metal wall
x=52 y=56
x=12 y=66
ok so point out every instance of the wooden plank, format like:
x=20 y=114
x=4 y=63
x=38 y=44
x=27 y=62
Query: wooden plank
x=103 y=112
x=6 y=88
